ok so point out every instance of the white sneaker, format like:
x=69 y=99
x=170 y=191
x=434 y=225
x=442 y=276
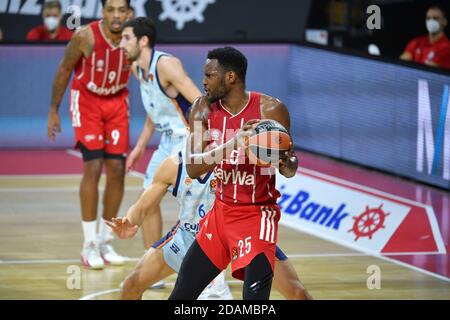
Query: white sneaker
x=158 y=285
x=217 y=290
x=109 y=255
x=90 y=256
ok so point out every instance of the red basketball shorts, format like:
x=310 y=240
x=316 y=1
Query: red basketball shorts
x=238 y=234
x=100 y=122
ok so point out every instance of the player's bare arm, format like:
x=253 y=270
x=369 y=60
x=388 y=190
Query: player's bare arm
x=81 y=44
x=165 y=176
x=175 y=80
x=139 y=149
x=272 y=108
x=199 y=159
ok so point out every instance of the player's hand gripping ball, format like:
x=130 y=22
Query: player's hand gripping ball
x=269 y=143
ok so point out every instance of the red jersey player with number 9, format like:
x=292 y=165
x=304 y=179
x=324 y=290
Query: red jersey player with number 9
x=242 y=226
x=99 y=110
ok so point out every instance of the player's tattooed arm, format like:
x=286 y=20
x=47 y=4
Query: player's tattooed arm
x=82 y=43
x=272 y=108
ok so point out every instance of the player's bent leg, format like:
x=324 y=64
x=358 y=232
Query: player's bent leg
x=149 y=270
x=115 y=182
x=195 y=273
x=92 y=170
x=258 y=279
x=286 y=281
x=88 y=192
x=112 y=198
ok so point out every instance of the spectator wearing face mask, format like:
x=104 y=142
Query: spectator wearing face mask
x=434 y=48
x=51 y=30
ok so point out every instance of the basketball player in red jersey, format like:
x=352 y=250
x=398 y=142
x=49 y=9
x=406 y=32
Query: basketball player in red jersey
x=99 y=108
x=242 y=225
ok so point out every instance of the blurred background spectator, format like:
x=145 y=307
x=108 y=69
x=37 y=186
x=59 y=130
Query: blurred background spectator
x=432 y=49
x=1 y=35
x=51 y=29
x=331 y=23
x=132 y=13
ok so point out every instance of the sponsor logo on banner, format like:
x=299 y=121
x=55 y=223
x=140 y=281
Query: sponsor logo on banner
x=354 y=215
x=437 y=150
x=183 y=11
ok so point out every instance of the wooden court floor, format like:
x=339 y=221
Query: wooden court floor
x=40 y=242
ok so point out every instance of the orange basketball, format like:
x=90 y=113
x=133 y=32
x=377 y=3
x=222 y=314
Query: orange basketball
x=269 y=143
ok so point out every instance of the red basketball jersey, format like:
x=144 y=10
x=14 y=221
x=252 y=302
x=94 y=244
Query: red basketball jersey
x=105 y=72
x=238 y=181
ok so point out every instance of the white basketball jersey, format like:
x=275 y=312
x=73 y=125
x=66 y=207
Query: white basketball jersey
x=168 y=114
x=195 y=196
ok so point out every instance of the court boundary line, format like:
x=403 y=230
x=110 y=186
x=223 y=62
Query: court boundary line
x=55 y=189
x=372 y=253
x=290 y=256
x=77 y=154
x=167 y=284
x=40 y=176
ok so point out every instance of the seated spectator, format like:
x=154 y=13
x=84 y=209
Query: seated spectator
x=51 y=30
x=434 y=48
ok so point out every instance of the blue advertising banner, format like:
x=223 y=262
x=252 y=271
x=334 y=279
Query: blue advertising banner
x=374 y=113
x=378 y=114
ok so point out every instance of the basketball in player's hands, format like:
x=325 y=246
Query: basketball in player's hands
x=268 y=144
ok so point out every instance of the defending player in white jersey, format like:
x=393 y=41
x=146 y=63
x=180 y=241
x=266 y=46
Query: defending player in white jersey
x=196 y=197
x=167 y=93
x=164 y=258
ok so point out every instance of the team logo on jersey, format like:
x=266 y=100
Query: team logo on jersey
x=234 y=253
x=126 y=66
x=209 y=235
x=212 y=185
x=430 y=55
x=151 y=77
x=100 y=65
x=214 y=134
x=89 y=137
x=174 y=248
x=188 y=194
x=235 y=177
x=188 y=181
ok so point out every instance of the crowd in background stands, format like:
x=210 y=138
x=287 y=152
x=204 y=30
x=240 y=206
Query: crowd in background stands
x=432 y=49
